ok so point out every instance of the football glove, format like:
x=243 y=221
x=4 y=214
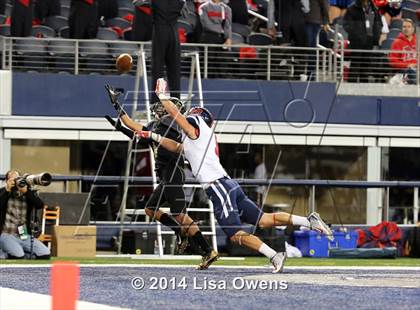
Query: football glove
x=113 y=96
x=162 y=89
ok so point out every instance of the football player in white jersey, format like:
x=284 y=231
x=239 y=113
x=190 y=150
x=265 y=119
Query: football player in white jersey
x=231 y=205
x=170 y=169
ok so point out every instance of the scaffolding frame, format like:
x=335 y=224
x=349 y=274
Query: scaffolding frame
x=141 y=74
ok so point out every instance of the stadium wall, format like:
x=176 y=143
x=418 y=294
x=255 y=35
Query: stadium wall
x=5 y=109
x=36 y=94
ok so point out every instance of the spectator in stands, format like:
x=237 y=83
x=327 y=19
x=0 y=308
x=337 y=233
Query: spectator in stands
x=389 y=8
x=315 y=19
x=2 y=7
x=107 y=9
x=198 y=3
x=405 y=62
x=21 y=18
x=190 y=16
x=46 y=8
x=216 y=22
x=83 y=19
x=166 y=49
x=291 y=18
x=292 y=21
x=143 y=22
x=363 y=25
x=272 y=16
x=338 y=8
x=239 y=11
x=16 y=206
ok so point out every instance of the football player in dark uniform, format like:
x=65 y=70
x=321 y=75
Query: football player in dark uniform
x=170 y=170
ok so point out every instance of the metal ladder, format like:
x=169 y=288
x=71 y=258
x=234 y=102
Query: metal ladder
x=142 y=73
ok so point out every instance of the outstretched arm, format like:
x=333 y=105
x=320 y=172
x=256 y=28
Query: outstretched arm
x=127 y=121
x=117 y=125
x=169 y=144
x=170 y=107
x=113 y=96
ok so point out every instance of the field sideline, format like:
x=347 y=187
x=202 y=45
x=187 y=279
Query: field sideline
x=112 y=283
x=247 y=261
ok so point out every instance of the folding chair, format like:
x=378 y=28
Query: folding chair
x=50 y=217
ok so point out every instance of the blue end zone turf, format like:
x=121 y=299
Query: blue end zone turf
x=245 y=288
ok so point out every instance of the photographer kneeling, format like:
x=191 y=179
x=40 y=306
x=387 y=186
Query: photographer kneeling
x=17 y=202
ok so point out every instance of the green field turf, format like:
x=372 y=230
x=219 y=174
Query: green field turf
x=249 y=261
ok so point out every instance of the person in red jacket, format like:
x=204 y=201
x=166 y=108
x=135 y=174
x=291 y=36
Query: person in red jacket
x=405 y=62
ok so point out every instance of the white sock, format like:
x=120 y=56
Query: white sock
x=300 y=221
x=266 y=250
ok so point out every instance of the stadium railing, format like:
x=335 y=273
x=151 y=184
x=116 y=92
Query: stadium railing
x=382 y=210
x=238 y=61
x=312 y=185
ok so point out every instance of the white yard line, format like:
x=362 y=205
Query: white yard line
x=168 y=257
x=12 y=299
x=390 y=268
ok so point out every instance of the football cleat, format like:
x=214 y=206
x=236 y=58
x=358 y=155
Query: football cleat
x=181 y=244
x=207 y=260
x=319 y=225
x=278 y=261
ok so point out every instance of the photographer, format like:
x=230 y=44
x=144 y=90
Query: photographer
x=17 y=202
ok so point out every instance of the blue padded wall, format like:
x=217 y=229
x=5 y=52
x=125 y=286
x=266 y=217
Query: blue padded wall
x=39 y=94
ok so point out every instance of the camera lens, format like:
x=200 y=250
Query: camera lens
x=20 y=182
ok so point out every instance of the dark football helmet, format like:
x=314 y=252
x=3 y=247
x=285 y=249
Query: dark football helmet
x=158 y=110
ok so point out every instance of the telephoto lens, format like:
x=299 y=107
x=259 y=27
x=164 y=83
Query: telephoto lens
x=43 y=179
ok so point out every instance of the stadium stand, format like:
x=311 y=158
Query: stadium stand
x=260 y=39
x=41 y=31
x=65 y=2
x=123 y=11
x=94 y=56
x=254 y=34
x=57 y=22
x=118 y=22
x=125 y=4
x=107 y=34
x=62 y=55
x=65 y=11
x=31 y=53
x=64 y=32
x=241 y=29
x=127 y=34
x=5 y=30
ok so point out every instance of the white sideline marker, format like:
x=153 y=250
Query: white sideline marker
x=379 y=268
x=12 y=299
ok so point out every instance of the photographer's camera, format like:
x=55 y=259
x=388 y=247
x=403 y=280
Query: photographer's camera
x=20 y=182
x=43 y=179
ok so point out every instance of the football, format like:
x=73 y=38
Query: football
x=124 y=63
